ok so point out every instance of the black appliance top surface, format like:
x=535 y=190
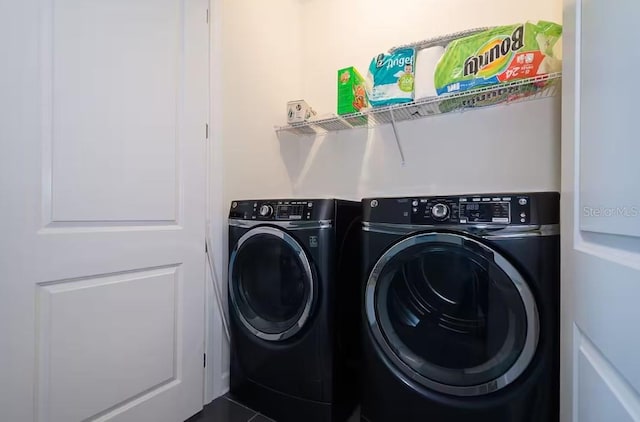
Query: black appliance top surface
x=532 y=208
x=297 y=209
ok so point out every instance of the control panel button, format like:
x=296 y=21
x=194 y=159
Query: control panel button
x=415 y=203
x=374 y=203
x=440 y=211
x=266 y=210
x=234 y=205
x=310 y=204
x=523 y=215
x=522 y=201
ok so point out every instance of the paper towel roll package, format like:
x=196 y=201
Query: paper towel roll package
x=426 y=62
x=497 y=55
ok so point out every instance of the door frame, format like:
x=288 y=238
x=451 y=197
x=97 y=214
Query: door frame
x=216 y=340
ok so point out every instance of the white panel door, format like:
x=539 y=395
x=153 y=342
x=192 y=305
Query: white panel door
x=600 y=213
x=103 y=106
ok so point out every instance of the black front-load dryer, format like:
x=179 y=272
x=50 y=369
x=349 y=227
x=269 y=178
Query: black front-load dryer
x=461 y=308
x=294 y=282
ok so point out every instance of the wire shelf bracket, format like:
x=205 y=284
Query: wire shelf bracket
x=395 y=134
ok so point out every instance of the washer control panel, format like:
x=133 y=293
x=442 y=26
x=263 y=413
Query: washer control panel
x=471 y=209
x=434 y=210
x=281 y=210
x=293 y=210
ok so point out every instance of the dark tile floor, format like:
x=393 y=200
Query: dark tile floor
x=224 y=409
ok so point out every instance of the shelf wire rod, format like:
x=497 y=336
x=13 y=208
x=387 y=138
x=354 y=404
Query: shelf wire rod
x=395 y=133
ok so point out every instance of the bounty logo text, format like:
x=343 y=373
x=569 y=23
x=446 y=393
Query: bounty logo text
x=493 y=56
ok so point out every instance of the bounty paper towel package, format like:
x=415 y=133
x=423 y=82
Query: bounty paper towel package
x=391 y=78
x=498 y=55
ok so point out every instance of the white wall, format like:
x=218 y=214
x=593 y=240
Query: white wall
x=498 y=149
x=261 y=71
x=269 y=52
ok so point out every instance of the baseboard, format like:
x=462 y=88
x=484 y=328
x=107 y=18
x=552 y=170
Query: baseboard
x=224 y=383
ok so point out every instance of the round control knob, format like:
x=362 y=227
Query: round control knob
x=440 y=211
x=266 y=210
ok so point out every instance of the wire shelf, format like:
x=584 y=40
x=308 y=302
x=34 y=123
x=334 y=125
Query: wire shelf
x=507 y=93
x=442 y=40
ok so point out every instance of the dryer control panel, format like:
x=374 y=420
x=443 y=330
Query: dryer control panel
x=489 y=209
x=282 y=209
x=483 y=209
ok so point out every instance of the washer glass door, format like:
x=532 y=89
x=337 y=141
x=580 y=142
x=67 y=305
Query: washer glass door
x=452 y=314
x=271 y=284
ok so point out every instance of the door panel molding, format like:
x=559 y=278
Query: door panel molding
x=609 y=201
x=61 y=227
x=102 y=352
x=80 y=188
x=600 y=378
x=601 y=246
x=602 y=312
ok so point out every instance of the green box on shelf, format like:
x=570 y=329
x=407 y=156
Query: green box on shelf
x=352 y=94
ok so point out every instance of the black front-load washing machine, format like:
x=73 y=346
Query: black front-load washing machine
x=461 y=308
x=294 y=283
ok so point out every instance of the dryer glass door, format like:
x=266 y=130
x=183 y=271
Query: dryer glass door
x=271 y=284
x=452 y=314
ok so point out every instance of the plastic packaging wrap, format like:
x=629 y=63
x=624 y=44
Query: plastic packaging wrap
x=498 y=55
x=390 y=79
